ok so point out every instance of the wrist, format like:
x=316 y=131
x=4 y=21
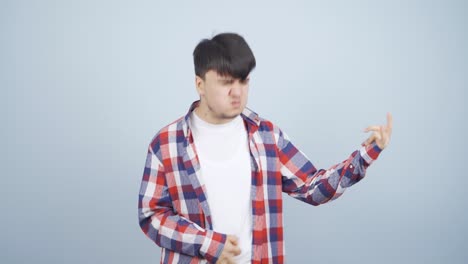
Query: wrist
x=213 y=245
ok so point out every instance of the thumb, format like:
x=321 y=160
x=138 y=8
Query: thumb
x=233 y=239
x=369 y=140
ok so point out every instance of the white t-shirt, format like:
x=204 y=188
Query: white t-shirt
x=224 y=157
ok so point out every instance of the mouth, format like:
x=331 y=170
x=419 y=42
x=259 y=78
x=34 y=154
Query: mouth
x=236 y=103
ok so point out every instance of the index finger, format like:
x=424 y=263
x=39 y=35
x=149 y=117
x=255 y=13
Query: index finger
x=389 y=120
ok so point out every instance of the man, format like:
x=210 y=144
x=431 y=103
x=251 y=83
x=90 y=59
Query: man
x=212 y=185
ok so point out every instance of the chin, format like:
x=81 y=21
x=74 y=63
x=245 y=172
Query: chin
x=232 y=114
x=239 y=110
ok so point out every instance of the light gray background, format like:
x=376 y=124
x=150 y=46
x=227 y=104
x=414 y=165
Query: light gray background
x=86 y=84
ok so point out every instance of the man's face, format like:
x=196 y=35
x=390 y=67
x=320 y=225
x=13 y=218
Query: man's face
x=222 y=97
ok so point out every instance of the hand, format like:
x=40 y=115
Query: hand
x=381 y=134
x=231 y=249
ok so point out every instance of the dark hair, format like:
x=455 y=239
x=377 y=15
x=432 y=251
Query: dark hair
x=225 y=53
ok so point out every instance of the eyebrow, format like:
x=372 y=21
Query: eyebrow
x=225 y=78
x=228 y=78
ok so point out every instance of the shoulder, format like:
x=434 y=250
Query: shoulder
x=269 y=129
x=263 y=124
x=170 y=133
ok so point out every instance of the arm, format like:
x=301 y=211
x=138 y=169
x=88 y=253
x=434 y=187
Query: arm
x=303 y=181
x=166 y=228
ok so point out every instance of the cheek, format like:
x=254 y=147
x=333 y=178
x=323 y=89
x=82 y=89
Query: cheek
x=220 y=95
x=217 y=98
x=246 y=92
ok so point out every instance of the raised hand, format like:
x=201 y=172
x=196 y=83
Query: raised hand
x=381 y=133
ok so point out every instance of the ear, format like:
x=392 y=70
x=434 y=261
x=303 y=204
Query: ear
x=200 y=85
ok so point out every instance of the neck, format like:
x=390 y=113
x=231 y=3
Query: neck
x=205 y=113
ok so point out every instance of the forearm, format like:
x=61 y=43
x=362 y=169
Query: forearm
x=179 y=234
x=163 y=225
x=321 y=186
x=301 y=180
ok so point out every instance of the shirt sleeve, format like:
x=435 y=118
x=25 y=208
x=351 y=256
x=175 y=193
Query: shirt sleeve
x=304 y=182
x=163 y=226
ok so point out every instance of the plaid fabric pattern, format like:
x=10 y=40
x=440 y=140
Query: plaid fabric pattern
x=173 y=210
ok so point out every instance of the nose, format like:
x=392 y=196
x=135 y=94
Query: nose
x=236 y=89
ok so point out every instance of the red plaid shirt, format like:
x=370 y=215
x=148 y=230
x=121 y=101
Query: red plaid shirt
x=173 y=210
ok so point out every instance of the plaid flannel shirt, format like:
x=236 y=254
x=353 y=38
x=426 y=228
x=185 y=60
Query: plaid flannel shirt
x=173 y=210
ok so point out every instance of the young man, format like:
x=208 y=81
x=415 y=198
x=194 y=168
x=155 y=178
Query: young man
x=212 y=185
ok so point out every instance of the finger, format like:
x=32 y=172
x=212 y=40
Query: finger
x=228 y=259
x=222 y=260
x=232 y=249
x=233 y=239
x=371 y=128
x=365 y=142
x=383 y=132
x=374 y=137
x=378 y=135
x=389 y=121
x=236 y=251
x=369 y=140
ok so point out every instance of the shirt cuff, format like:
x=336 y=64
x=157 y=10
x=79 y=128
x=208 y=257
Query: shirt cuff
x=212 y=246
x=370 y=153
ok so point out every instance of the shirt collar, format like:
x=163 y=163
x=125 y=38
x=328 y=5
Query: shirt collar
x=247 y=114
